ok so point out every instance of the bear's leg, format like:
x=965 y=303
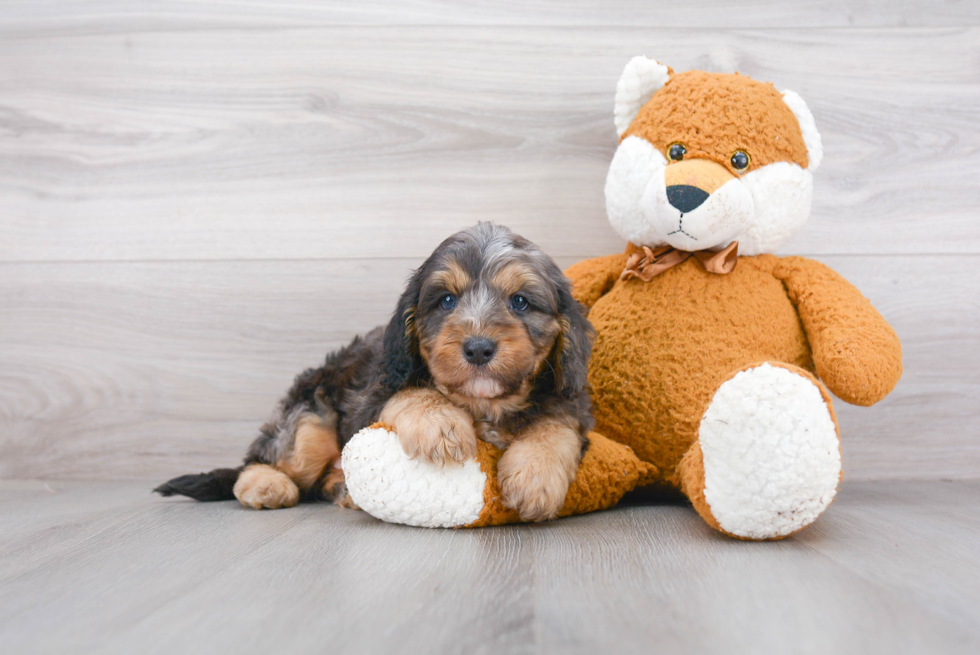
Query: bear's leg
x=388 y=484
x=767 y=460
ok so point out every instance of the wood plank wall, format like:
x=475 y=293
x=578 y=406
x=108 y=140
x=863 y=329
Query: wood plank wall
x=198 y=199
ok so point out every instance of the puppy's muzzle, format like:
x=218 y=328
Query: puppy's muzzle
x=479 y=350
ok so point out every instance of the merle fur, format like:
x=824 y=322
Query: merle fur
x=355 y=382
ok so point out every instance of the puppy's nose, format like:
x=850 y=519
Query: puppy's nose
x=685 y=197
x=479 y=350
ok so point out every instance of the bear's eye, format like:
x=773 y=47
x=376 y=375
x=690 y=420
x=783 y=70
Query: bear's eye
x=740 y=160
x=676 y=152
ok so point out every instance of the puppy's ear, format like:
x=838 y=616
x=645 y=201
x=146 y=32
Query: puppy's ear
x=402 y=360
x=574 y=345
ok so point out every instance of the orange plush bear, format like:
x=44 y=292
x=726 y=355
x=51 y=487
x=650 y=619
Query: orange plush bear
x=711 y=353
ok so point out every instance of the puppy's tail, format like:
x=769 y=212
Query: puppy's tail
x=219 y=484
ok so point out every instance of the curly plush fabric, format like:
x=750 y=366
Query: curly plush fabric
x=718 y=384
x=663 y=347
x=608 y=471
x=855 y=352
x=384 y=482
x=767 y=460
x=714 y=115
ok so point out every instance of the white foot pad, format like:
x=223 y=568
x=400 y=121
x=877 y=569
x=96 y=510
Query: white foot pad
x=771 y=453
x=386 y=484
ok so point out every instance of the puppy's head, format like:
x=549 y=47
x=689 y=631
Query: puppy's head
x=488 y=316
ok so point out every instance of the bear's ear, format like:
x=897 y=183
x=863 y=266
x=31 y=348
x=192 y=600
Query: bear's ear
x=641 y=78
x=814 y=146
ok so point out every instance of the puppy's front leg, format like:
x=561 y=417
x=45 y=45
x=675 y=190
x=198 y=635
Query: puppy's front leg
x=429 y=425
x=537 y=469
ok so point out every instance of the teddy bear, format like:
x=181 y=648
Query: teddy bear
x=714 y=359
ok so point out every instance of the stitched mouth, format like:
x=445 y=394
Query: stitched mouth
x=680 y=229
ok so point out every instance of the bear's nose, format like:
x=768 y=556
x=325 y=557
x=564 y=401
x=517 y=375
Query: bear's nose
x=685 y=197
x=692 y=181
x=479 y=350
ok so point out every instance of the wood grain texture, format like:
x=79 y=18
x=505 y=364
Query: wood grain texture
x=121 y=370
x=200 y=198
x=144 y=361
x=103 y=567
x=937 y=524
x=72 y=16
x=336 y=142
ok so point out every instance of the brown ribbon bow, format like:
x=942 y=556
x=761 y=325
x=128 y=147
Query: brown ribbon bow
x=647 y=264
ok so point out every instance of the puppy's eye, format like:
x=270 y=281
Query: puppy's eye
x=676 y=152
x=448 y=301
x=740 y=160
x=518 y=303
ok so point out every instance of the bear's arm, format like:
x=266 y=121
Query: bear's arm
x=856 y=353
x=593 y=278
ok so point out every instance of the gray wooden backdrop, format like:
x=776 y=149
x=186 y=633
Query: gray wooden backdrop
x=198 y=199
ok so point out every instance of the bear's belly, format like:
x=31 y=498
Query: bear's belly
x=664 y=347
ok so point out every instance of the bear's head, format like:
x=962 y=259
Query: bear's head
x=705 y=159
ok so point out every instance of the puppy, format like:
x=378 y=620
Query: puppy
x=486 y=342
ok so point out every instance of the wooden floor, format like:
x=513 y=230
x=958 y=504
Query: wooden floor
x=893 y=567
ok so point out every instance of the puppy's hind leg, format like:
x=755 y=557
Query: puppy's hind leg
x=333 y=487
x=262 y=487
x=290 y=459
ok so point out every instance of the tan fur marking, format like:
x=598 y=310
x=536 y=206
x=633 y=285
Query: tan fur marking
x=514 y=277
x=564 y=327
x=536 y=470
x=262 y=487
x=346 y=502
x=430 y=426
x=444 y=354
x=701 y=173
x=453 y=278
x=333 y=481
x=335 y=489
x=501 y=385
x=492 y=409
x=314 y=448
x=516 y=361
x=515 y=351
x=493 y=435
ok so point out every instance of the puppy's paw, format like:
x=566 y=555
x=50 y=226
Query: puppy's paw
x=533 y=482
x=431 y=427
x=262 y=487
x=334 y=488
x=438 y=435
